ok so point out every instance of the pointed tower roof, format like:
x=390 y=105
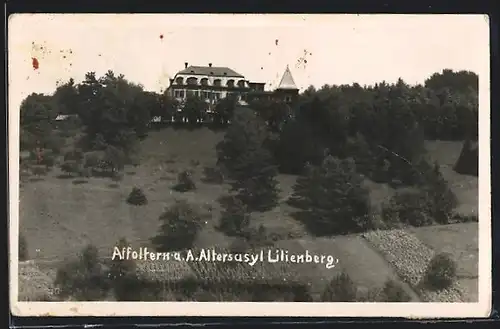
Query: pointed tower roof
x=287 y=80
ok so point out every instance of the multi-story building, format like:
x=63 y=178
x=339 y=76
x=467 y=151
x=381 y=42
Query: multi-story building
x=212 y=83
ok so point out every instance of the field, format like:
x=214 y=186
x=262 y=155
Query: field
x=59 y=218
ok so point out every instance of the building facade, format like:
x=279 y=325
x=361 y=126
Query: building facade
x=214 y=83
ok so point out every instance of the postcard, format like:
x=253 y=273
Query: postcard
x=249 y=165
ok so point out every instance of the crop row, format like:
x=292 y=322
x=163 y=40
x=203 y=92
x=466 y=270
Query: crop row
x=410 y=258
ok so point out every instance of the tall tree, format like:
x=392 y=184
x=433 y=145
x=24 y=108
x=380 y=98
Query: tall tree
x=332 y=199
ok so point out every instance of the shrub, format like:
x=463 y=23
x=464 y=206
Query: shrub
x=340 y=289
x=137 y=197
x=184 y=182
x=441 y=272
x=235 y=219
x=23 y=248
x=179 y=228
x=408 y=206
x=394 y=292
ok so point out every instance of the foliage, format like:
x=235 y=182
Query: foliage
x=394 y=292
x=194 y=110
x=179 y=227
x=249 y=163
x=184 y=182
x=441 y=272
x=83 y=279
x=224 y=110
x=331 y=199
x=235 y=219
x=432 y=202
x=137 y=197
x=340 y=289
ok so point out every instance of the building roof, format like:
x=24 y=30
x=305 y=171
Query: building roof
x=287 y=80
x=215 y=71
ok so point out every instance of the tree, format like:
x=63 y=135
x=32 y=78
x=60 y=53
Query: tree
x=84 y=279
x=256 y=185
x=137 y=197
x=36 y=115
x=394 y=292
x=340 y=289
x=73 y=162
x=441 y=272
x=184 y=182
x=224 y=110
x=194 y=110
x=235 y=219
x=179 y=227
x=249 y=163
x=66 y=99
x=331 y=199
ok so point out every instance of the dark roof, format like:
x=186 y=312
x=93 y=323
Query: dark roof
x=215 y=71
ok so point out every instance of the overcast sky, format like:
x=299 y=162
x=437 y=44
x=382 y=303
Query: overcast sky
x=320 y=49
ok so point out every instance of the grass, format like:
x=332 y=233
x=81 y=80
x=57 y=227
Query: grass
x=59 y=218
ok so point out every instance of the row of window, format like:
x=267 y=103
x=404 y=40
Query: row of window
x=205 y=82
x=198 y=93
x=207 y=95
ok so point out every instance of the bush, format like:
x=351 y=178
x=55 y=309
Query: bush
x=23 y=248
x=184 y=182
x=394 y=292
x=235 y=219
x=340 y=289
x=137 y=197
x=179 y=228
x=408 y=206
x=441 y=272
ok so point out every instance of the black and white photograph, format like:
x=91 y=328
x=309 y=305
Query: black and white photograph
x=304 y=165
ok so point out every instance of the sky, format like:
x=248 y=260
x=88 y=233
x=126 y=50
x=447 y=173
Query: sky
x=319 y=49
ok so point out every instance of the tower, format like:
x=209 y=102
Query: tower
x=287 y=89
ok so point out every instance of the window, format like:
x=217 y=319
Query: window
x=216 y=96
x=181 y=93
x=288 y=98
x=192 y=81
x=204 y=82
x=206 y=95
x=177 y=93
x=217 y=82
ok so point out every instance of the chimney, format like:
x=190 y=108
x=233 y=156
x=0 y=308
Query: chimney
x=209 y=64
x=186 y=65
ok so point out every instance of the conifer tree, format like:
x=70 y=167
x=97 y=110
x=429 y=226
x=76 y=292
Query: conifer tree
x=332 y=199
x=249 y=163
